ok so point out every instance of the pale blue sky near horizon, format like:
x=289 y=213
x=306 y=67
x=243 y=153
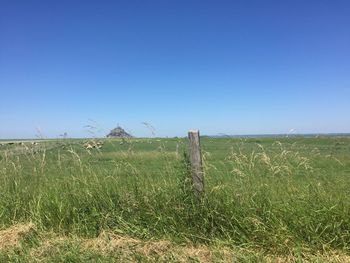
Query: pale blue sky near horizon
x=232 y=67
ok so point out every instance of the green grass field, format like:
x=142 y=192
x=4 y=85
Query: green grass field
x=266 y=200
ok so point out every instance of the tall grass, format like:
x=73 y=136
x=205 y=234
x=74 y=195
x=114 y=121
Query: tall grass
x=278 y=197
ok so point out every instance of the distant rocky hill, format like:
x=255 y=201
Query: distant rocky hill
x=118 y=132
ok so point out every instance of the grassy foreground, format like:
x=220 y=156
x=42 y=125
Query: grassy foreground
x=266 y=200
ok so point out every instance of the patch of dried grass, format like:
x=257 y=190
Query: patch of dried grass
x=160 y=250
x=50 y=244
x=108 y=242
x=153 y=251
x=201 y=253
x=11 y=237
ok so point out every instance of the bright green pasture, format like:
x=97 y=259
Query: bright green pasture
x=278 y=195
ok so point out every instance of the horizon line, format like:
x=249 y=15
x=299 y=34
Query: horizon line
x=220 y=135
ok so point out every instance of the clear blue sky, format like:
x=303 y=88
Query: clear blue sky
x=234 y=67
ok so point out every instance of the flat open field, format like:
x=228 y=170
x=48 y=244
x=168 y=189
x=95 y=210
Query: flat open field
x=266 y=200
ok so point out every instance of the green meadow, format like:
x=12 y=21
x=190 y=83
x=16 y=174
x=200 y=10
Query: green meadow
x=266 y=200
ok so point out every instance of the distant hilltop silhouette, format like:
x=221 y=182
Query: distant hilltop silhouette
x=118 y=132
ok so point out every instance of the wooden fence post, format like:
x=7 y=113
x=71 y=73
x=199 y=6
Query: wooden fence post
x=196 y=162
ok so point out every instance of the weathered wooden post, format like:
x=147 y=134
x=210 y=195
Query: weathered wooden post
x=196 y=162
